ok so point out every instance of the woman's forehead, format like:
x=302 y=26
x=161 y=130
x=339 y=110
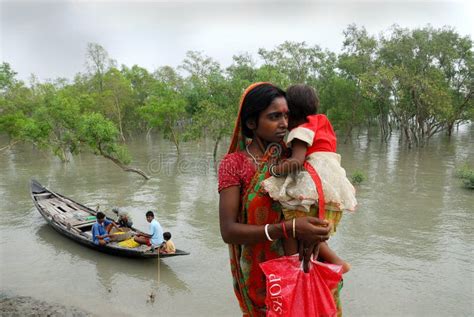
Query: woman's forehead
x=278 y=105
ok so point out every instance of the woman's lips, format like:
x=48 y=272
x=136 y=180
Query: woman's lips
x=281 y=134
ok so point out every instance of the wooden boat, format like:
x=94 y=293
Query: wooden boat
x=75 y=221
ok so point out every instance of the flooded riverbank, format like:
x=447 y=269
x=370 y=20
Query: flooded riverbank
x=27 y=306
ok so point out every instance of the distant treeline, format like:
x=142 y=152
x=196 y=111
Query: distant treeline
x=419 y=81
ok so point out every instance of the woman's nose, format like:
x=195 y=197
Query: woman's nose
x=284 y=122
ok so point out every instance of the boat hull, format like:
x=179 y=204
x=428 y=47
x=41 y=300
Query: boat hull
x=70 y=229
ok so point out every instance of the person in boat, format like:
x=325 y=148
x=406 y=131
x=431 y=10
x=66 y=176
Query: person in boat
x=250 y=221
x=101 y=229
x=123 y=220
x=168 y=246
x=155 y=238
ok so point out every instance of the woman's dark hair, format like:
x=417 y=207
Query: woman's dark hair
x=302 y=101
x=257 y=100
x=167 y=236
x=100 y=215
x=150 y=214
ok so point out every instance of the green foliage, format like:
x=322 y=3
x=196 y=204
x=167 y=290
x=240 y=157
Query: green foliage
x=298 y=62
x=358 y=177
x=7 y=77
x=466 y=173
x=165 y=109
x=430 y=81
x=212 y=98
x=100 y=135
x=468 y=180
x=419 y=81
x=97 y=131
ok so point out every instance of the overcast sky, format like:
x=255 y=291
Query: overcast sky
x=49 y=38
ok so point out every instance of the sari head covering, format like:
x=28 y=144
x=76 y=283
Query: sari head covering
x=238 y=139
x=256 y=208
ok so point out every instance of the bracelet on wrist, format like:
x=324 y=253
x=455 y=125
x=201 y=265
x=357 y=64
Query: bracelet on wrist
x=266 y=232
x=294 y=228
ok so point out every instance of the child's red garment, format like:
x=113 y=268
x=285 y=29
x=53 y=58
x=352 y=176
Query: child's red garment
x=298 y=191
x=323 y=138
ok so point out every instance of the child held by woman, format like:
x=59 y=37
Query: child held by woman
x=313 y=174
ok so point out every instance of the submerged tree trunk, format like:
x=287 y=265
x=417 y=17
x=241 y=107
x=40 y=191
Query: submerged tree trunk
x=63 y=155
x=408 y=136
x=368 y=130
x=148 y=132
x=174 y=137
x=6 y=147
x=348 y=134
x=123 y=166
x=216 y=145
x=450 y=128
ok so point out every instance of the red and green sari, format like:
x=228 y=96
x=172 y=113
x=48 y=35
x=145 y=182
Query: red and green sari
x=256 y=208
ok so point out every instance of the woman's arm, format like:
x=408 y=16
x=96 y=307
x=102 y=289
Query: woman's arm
x=295 y=162
x=309 y=229
x=233 y=232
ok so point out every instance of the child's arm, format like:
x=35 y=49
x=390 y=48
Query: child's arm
x=295 y=162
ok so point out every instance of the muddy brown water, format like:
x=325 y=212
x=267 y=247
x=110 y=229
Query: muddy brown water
x=410 y=242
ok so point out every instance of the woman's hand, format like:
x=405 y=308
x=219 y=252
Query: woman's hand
x=306 y=251
x=310 y=231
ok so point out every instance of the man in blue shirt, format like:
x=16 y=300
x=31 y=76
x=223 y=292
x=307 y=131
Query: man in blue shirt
x=155 y=238
x=101 y=229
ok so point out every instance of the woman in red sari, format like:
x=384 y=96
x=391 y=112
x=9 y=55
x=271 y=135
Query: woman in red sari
x=250 y=221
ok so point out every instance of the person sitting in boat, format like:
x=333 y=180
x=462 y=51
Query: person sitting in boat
x=123 y=220
x=155 y=238
x=168 y=246
x=101 y=229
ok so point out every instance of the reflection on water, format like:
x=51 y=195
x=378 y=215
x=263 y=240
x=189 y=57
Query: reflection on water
x=409 y=243
x=107 y=267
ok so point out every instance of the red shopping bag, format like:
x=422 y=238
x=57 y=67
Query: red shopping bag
x=291 y=292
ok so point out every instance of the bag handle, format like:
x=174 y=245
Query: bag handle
x=319 y=188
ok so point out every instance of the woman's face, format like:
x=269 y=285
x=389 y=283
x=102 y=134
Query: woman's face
x=273 y=121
